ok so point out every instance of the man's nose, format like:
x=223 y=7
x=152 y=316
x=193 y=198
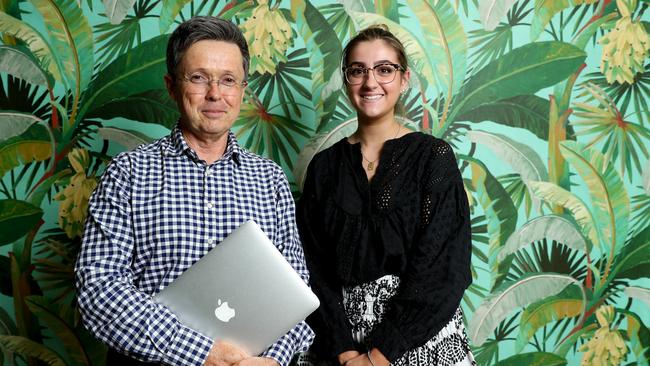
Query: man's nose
x=214 y=91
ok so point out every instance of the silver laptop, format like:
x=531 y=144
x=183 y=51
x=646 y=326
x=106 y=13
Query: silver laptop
x=242 y=291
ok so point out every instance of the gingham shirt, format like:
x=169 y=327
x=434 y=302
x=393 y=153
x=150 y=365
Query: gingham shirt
x=156 y=211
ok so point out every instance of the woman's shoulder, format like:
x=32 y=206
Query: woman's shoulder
x=332 y=153
x=427 y=147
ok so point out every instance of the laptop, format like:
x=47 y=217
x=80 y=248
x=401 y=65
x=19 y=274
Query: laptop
x=243 y=291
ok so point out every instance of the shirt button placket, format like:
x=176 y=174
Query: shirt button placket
x=209 y=205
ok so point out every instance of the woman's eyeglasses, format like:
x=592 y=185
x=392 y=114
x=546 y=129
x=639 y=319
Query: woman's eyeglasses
x=383 y=74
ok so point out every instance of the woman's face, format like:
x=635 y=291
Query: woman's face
x=371 y=99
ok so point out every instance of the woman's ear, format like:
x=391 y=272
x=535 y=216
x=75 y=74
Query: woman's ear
x=406 y=77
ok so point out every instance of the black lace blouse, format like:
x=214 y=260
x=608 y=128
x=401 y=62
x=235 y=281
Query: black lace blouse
x=411 y=220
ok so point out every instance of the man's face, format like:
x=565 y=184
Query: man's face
x=208 y=110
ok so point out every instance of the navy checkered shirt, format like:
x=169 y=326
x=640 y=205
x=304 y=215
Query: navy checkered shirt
x=157 y=210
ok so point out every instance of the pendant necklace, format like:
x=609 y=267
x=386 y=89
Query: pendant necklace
x=371 y=164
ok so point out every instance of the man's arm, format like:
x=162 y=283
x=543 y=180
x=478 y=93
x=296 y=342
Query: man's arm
x=112 y=307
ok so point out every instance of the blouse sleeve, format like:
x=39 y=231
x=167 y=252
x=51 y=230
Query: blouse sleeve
x=329 y=322
x=438 y=268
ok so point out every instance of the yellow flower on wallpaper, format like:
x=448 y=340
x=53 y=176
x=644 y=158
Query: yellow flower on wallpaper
x=74 y=197
x=625 y=47
x=606 y=347
x=269 y=36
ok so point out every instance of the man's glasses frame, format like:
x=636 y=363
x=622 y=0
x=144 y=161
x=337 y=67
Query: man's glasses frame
x=227 y=84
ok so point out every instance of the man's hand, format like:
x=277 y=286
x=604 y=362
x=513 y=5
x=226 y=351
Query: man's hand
x=257 y=361
x=224 y=354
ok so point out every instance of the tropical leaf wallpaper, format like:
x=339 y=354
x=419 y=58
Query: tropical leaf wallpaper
x=544 y=101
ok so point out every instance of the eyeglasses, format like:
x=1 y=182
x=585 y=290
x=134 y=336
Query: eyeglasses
x=384 y=73
x=200 y=83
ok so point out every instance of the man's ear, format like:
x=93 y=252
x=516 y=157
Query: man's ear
x=169 y=83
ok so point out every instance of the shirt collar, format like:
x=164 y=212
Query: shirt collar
x=178 y=146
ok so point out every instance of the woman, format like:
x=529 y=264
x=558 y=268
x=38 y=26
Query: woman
x=385 y=226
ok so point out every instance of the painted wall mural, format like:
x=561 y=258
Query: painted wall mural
x=544 y=101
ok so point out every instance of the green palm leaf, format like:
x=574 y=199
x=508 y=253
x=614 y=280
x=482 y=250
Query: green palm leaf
x=646 y=177
x=152 y=106
x=136 y=72
x=523 y=111
x=640 y=293
x=549 y=227
x=287 y=83
x=567 y=304
x=582 y=39
x=544 y=12
x=388 y=8
x=518 y=192
x=34 y=144
x=638 y=337
x=640 y=206
x=34 y=40
x=114 y=40
x=59 y=319
x=29 y=348
x=116 y=10
x=512 y=296
x=635 y=96
x=556 y=195
x=622 y=139
x=446 y=42
x=71 y=38
x=533 y=359
x=169 y=11
x=127 y=138
x=319 y=143
x=19 y=62
x=15 y=124
x=610 y=202
x=493 y=11
x=7 y=324
x=634 y=260
x=324 y=57
x=523 y=71
x=490 y=45
x=523 y=159
x=499 y=210
x=275 y=136
x=17 y=218
x=339 y=19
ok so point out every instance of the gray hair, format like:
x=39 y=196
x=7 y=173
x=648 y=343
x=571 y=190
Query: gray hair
x=201 y=28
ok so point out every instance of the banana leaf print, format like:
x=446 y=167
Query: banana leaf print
x=545 y=104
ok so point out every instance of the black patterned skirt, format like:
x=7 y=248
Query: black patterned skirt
x=365 y=306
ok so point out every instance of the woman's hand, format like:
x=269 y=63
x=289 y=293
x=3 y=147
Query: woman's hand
x=360 y=360
x=346 y=356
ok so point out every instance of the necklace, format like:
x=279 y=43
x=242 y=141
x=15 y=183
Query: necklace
x=371 y=164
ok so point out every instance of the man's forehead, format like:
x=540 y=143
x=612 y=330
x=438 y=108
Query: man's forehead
x=213 y=56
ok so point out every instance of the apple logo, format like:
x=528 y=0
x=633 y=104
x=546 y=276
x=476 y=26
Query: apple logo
x=224 y=312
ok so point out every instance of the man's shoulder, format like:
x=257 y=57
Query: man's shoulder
x=141 y=156
x=253 y=160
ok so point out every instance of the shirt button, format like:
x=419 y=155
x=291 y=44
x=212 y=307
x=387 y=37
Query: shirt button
x=210 y=205
x=210 y=241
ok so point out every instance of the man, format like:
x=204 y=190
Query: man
x=160 y=208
